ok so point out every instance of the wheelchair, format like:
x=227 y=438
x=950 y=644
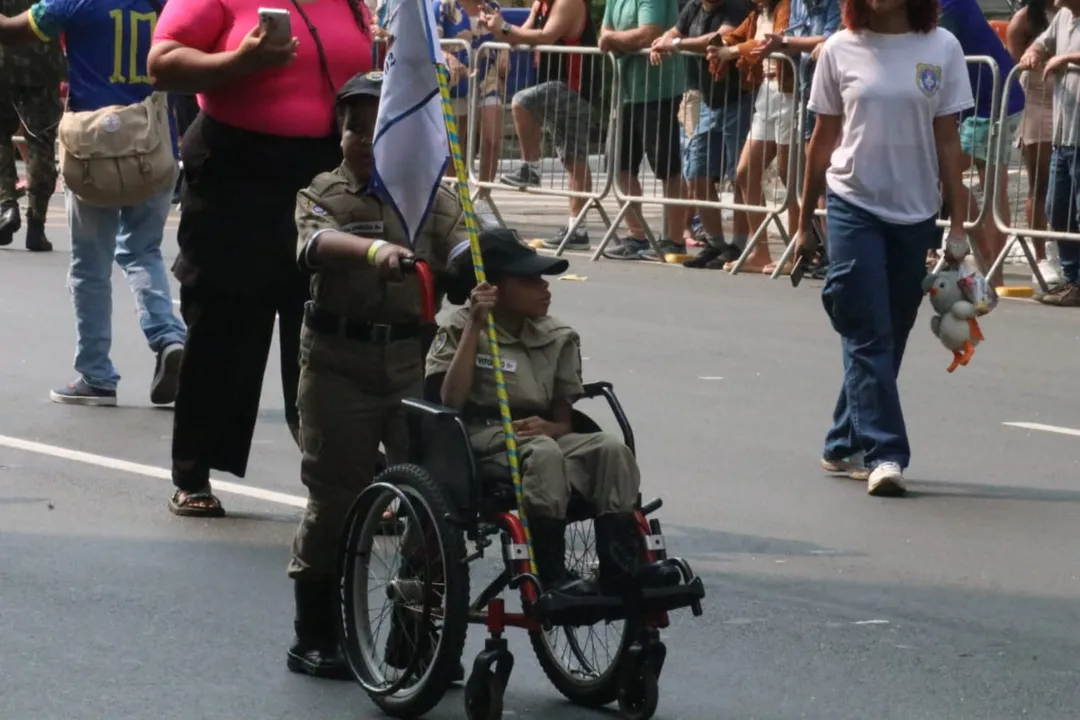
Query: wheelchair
x=445 y=501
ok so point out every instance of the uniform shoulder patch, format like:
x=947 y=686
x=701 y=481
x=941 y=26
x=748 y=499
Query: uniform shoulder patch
x=439 y=343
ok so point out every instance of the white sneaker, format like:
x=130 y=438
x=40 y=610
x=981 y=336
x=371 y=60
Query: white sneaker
x=886 y=480
x=1051 y=272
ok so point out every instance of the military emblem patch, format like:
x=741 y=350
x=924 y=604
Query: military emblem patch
x=439 y=343
x=318 y=209
x=928 y=78
x=374 y=76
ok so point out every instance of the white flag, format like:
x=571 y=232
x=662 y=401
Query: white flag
x=411 y=147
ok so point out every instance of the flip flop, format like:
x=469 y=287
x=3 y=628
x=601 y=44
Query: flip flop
x=771 y=268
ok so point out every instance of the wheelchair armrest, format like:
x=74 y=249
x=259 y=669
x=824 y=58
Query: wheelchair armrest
x=416 y=406
x=607 y=391
x=596 y=389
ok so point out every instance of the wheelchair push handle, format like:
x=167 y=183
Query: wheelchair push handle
x=413 y=265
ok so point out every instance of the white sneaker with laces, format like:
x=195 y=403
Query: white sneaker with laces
x=886 y=480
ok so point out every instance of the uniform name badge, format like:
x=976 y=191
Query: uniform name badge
x=486 y=362
x=369 y=227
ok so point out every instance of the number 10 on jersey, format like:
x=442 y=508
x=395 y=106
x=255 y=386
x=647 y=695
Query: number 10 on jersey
x=130 y=26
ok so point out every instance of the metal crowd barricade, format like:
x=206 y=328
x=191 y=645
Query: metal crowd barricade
x=644 y=120
x=974 y=179
x=558 y=115
x=1032 y=189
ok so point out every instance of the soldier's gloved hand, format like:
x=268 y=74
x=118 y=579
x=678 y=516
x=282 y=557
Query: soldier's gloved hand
x=387 y=260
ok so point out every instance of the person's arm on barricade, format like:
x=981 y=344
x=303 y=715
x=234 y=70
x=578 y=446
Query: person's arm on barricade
x=679 y=37
x=1042 y=47
x=182 y=59
x=565 y=16
x=650 y=26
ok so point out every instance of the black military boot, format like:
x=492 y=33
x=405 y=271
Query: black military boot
x=620 y=548
x=35 y=236
x=10 y=222
x=549 y=551
x=317 y=651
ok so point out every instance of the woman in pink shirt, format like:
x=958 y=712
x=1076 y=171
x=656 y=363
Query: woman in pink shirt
x=266 y=127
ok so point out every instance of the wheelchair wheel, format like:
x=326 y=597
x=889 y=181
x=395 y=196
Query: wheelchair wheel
x=404 y=634
x=585 y=664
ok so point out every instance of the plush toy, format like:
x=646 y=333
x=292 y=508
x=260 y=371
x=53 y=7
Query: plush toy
x=954 y=323
x=959 y=295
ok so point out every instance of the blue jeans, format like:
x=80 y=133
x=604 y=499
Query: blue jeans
x=872 y=294
x=1063 y=206
x=132 y=236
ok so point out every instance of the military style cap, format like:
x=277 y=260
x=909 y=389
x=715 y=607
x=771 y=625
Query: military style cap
x=504 y=253
x=367 y=84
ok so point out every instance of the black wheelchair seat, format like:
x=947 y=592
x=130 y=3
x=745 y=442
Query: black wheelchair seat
x=439 y=439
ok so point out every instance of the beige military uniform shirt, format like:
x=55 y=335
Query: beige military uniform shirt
x=540 y=366
x=338 y=201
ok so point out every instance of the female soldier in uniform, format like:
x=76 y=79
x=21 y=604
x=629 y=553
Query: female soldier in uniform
x=541 y=363
x=360 y=354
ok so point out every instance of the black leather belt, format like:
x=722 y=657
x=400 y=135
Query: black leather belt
x=328 y=323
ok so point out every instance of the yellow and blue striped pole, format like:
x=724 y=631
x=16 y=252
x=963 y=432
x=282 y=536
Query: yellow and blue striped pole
x=478 y=264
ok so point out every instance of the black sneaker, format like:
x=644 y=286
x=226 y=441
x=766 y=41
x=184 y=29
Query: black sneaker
x=626 y=249
x=166 y=374
x=714 y=256
x=524 y=176
x=578 y=241
x=667 y=247
x=79 y=393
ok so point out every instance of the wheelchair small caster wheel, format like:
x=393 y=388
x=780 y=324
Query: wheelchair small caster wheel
x=640 y=694
x=486 y=686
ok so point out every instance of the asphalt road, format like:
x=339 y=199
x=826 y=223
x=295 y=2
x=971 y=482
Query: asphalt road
x=960 y=601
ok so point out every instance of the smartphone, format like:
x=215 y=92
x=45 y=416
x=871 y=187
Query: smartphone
x=801 y=263
x=276 y=23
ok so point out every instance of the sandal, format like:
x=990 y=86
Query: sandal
x=195 y=504
x=771 y=268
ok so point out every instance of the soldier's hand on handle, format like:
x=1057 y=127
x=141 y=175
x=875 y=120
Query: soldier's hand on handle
x=259 y=51
x=482 y=302
x=387 y=260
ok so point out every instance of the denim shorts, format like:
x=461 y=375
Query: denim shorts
x=975 y=137
x=713 y=148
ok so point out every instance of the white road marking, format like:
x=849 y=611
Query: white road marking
x=222 y=486
x=709 y=377
x=1044 y=428
x=870 y=622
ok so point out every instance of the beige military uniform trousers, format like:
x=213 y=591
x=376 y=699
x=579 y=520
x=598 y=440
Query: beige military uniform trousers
x=349 y=400
x=598 y=466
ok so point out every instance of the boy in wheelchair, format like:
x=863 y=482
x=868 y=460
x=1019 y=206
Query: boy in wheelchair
x=541 y=364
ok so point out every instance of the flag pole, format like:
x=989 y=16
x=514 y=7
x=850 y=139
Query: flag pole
x=471 y=226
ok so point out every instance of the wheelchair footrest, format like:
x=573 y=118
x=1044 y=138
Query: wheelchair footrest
x=675 y=597
x=584 y=610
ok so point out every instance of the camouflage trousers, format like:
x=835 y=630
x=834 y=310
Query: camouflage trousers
x=39 y=110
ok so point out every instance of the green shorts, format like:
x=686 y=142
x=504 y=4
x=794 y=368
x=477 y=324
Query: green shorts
x=975 y=137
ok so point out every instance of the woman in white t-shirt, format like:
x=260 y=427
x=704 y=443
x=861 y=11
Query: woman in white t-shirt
x=887 y=91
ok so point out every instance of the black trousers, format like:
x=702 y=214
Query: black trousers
x=237 y=269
